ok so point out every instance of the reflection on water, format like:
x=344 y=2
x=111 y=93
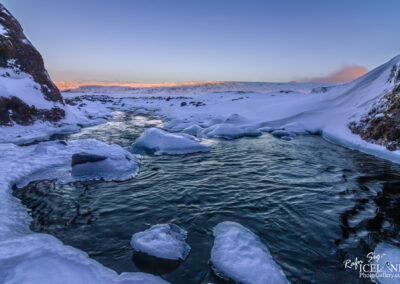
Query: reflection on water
x=314 y=204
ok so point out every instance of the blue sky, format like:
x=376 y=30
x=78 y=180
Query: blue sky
x=159 y=40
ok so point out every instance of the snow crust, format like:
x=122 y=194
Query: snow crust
x=238 y=254
x=162 y=240
x=158 y=142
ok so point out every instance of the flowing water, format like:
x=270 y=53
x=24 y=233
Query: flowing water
x=314 y=204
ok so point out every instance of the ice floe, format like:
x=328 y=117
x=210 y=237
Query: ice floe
x=158 y=142
x=238 y=254
x=166 y=241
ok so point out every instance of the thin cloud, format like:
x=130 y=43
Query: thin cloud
x=344 y=75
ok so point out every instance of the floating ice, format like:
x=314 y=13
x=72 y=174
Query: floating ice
x=230 y=131
x=238 y=254
x=193 y=130
x=163 y=240
x=158 y=142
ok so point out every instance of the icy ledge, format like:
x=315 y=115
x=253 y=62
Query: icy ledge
x=27 y=257
x=166 y=241
x=158 y=142
x=238 y=254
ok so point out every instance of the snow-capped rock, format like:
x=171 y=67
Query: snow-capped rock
x=238 y=254
x=158 y=142
x=27 y=93
x=166 y=241
x=59 y=161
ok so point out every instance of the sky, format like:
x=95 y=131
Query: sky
x=210 y=40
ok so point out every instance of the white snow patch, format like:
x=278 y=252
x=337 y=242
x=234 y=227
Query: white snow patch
x=163 y=240
x=158 y=142
x=238 y=254
x=3 y=31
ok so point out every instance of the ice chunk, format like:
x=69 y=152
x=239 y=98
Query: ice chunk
x=163 y=240
x=230 y=131
x=56 y=158
x=236 y=119
x=238 y=254
x=176 y=125
x=193 y=130
x=158 y=142
x=388 y=258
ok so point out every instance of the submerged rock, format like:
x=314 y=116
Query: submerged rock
x=158 y=142
x=238 y=254
x=166 y=241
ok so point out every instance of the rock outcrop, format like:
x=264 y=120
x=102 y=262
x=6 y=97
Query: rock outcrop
x=382 y=123
x=18 y=56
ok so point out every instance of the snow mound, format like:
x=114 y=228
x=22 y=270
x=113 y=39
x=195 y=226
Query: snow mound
x=388 y=261
x=158 y=142
x=166 y=241
x=238 y=254
x=55 y=158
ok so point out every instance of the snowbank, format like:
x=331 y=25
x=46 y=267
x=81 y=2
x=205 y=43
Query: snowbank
x=158 y=142
x=238 y=254
x=163 y=240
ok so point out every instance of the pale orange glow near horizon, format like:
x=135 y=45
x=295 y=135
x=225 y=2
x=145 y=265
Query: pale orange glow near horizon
x=68 y=85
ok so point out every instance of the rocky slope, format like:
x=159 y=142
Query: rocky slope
x=381 y=125
x=27 y=93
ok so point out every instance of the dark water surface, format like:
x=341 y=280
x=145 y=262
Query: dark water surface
x=314 y=204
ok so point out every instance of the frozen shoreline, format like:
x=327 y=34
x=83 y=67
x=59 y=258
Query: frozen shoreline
x=205 y=114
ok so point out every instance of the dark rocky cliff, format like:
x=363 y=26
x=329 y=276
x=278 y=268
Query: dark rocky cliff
x=16 y=50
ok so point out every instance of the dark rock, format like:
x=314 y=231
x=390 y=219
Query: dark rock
x=16 y=48
x=83 y=158
x=382 y=123
x=183 y=104
x=15 y=110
